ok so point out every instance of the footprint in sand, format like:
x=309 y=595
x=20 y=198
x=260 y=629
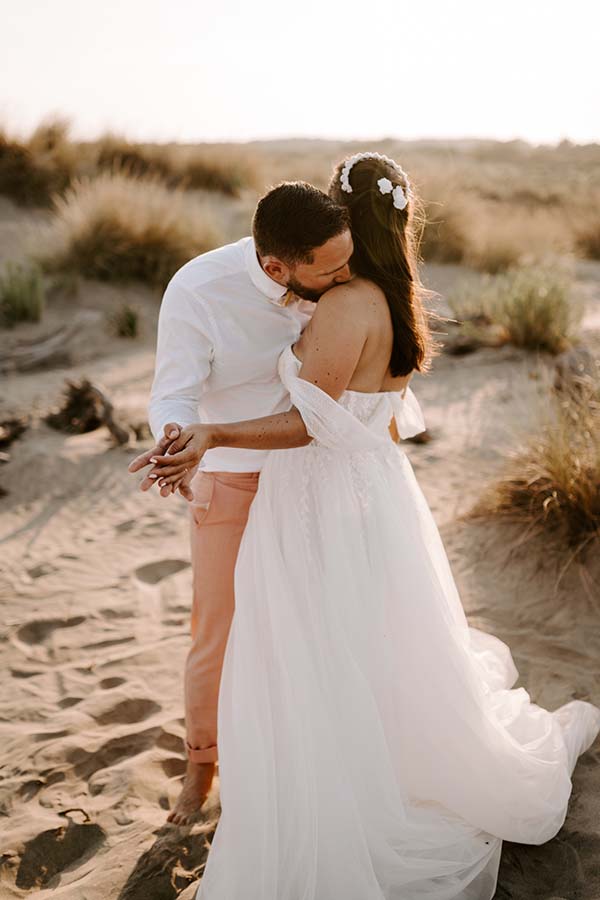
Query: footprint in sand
x=42 y=569
x=30 y=789
x=127 y=525
x=153 y=528
x=153 y=573
x=170 y=865
x=67 y=702
x=107 y=683
x=145 y=523
x=25 y=673
x=50 y=852
x=173 y=766
x=109 y=642
x=39 y=630
x=123 y=612
x=128 y=711
x=113 y=751
x=171 y=742
x=40 y=736
x=115 y=782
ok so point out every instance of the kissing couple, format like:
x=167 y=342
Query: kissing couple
x=370 y=743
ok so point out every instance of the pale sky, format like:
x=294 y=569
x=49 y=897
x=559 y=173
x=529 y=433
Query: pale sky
x=192 y=70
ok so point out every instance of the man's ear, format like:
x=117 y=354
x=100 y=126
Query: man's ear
x=276 y=269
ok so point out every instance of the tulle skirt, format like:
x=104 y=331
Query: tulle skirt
x=371 y=743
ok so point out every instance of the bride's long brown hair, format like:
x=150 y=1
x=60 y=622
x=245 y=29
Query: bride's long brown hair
x=386 y=253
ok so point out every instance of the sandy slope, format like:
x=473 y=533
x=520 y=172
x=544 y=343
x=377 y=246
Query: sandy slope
x=96 y=594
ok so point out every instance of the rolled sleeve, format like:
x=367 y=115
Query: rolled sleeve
x=184 y=354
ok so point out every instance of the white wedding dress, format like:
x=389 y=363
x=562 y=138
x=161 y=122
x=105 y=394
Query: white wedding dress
x=370 y=744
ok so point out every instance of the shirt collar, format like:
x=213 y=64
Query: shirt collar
x=276 y=293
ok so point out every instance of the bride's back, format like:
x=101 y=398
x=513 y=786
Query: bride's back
x=366 y=303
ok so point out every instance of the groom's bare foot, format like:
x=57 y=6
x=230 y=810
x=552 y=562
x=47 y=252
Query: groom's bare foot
x=196 y=785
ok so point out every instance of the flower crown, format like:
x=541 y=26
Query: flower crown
x=400 y=193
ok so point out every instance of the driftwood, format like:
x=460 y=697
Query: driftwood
x=38 y=352
x=86 y=408
x=10 y=430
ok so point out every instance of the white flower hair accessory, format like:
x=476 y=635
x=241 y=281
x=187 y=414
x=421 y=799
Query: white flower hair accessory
x=400 y=193
x=385 y=185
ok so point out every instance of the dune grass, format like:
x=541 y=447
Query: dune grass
x=192 y=168
x=489 y=205
x=535 y=304
x=22 y=295
x=504 y=236
x=488 y=236
x=552 y=483
x=50 y=136
x=588 y=234
x=124 y=321
x=117 y=228
x=446 y=232
x=114 y=153
x=227 y=172
x=32 y=171
x=29 y=179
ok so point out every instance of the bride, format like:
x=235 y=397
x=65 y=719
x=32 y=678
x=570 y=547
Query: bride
x=371 y=745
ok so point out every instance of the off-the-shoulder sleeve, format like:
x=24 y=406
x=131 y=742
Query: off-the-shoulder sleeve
x=332 y=425
x=407 y=413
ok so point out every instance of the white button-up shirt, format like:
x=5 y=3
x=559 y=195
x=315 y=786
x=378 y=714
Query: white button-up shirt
x=221 y=328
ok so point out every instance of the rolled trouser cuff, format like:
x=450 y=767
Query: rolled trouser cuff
x=202 y=754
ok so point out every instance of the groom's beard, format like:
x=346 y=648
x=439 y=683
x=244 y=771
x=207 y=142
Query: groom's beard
x=307 y=293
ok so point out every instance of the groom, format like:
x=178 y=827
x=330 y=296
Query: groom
x=225 y=318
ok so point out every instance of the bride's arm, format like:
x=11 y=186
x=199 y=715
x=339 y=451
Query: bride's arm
x=281 y=431
x=332 y=344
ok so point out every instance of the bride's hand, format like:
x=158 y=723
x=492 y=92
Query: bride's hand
x=184 y=455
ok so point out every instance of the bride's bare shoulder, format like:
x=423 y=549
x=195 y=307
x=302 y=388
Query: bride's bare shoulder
x=357 y=297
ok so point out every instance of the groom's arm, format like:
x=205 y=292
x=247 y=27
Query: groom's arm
x=184 y=353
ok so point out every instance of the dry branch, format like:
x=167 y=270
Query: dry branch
x=34 y=353
x=86 y=408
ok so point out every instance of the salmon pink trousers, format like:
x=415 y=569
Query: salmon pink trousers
x=218 y=516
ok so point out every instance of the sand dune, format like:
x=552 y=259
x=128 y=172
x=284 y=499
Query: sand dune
x=96 y=597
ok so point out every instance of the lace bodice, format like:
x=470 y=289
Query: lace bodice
x=372 y=411
x=362 y=406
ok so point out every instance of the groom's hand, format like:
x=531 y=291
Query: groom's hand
x=183 y=457
x=171 y=432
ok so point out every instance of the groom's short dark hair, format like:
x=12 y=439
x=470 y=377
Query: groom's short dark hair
x=294 y=218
